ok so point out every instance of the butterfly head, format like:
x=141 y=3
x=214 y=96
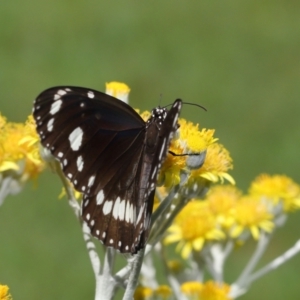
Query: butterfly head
x=158 y=115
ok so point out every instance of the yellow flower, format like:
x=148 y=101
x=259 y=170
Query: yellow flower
x=145 y=115
x=277 y=188
x=189 y=140
x=118 y=90
x=194 y=225
x=170 y=172
x=192 y=289
x=175 y=266
x=222 y=200
x=18 y=147
x=252 y=214
x=142 y=293
x=207 y=291
x=4 y=295
x=2 y=121
x=63 y=193
x=192 y=140
x=10 y=154
x=163 y=292
x=34 y=163
x=216 y=165
x=215 y=291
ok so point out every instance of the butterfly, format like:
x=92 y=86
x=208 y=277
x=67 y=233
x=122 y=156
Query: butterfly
x=111 y=155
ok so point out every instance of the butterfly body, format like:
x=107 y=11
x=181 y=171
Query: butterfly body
x=110 y=155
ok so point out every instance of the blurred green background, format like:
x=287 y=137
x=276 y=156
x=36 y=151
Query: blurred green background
x=239 y=59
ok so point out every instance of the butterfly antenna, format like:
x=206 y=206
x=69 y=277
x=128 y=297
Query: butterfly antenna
x=160 y=98
x=194 y=104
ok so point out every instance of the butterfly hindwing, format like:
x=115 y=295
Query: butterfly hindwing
x=158 y=137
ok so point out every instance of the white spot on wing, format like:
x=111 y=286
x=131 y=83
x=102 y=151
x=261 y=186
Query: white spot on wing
x=91 y=94
x=133 y=214
x=116 y=208
x=91 y=180
x=55 y=107
x=50 y=124
x=175 y=121
x=103 y=234
x=111 y=241
x=140 y=214
x=154 y=173
x=80 y=163
x=107 y=207
x=61 y=92
x=122 y=210
x=97 y=232
x=162 y=149
x=88 y=216
x=147 y=222
x=100 y=198
x=60 y=154
x=75 y=138
x=127 y=213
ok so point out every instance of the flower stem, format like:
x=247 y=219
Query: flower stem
x=277 y=262
x=242 y=283
x=105 y=283
x=134 y=275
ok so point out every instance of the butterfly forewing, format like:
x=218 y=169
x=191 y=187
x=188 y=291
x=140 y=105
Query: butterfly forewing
x=110 y=155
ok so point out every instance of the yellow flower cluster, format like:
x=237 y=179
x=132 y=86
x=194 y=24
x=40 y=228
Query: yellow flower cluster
x=206 y=291
x=226 y=213
x=19 y=150
x=193 y=290
x=251 y=214
x=194 y=225
x=191 y=140
x=118 y=90
x=278 y=190
x=162 y=292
